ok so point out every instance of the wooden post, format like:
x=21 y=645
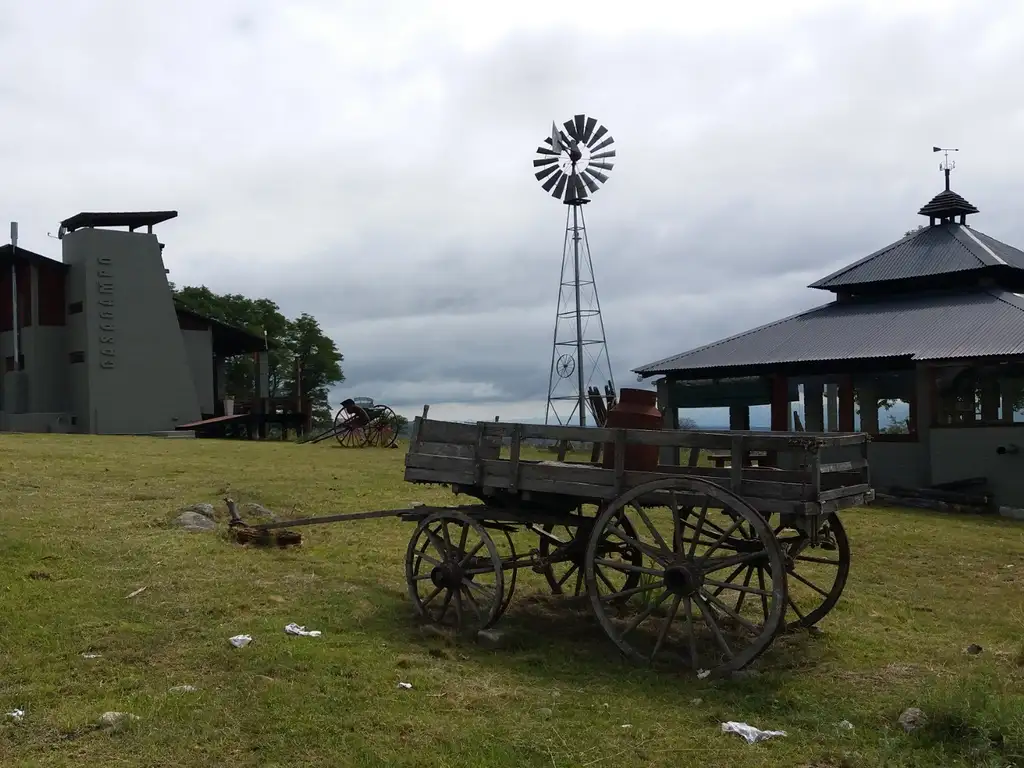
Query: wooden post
x=846 y=404
x=832 y=400
x=989 y=400
x=867 y=396
x=669 y=455
x=739 y=420
x=814 y=406
x=780 y=413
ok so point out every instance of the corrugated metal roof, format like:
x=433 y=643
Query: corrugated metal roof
x=928 y=327
x=934 y=250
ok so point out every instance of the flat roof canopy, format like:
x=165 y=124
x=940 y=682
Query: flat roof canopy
x=130 y=219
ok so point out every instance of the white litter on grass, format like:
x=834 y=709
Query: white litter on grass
x=137 y=592
x=91 y=655
x=183 y=689
x=110 y=719
x=406 y=686
x=751 y=734
x=295 y=629
x=17 y=715
x=703 y=674
x=240 y=641
x=845 y=725
x=626 y=725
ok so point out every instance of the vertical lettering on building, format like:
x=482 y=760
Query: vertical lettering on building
x=107 y=328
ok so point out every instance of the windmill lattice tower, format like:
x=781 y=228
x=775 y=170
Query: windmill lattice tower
x=571 y=164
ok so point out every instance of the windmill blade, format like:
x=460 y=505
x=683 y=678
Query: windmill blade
x=570 y=128
x=547 y=185
x=560 y=186
x=596 y=174
x=580 y=192
x=546 y=172
x=591 y=185
x=603 y=144
x=599 y=155
x=546 y=151
x=544 y=161
x=602 y=165
x=579 y=121
x=600 y=132
x=589 y=129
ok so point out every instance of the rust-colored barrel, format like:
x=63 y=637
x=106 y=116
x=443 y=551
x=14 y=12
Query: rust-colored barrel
x=636 y=409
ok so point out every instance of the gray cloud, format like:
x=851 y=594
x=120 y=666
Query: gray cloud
x=370 y=163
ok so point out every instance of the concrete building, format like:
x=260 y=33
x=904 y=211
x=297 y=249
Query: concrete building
x=935 y=320
x=95 y=343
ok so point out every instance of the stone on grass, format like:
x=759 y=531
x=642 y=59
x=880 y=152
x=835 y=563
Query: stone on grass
x=912 y=719
x=544 y=713
x=258 y=510
x=116 y=719
x=194 y=521
x=973 y=649
x=204 y=509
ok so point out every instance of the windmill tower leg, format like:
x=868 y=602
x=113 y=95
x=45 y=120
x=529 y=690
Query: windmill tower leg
x=579 y=353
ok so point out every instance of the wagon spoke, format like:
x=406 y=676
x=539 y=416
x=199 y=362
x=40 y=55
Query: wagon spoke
x=665 y=627
x=472 y=553
x=571 y=570
x=428 y=558
x=796 y=610
x=444 y=605
x=633 y=591
x=458 y=605
x=737 y=587
x=435 y=593
x=654 y=554
x=628 y=567
x=677 y=525
x=653 y=529
x=747 y=625
x=691 y=631
x=651 y=608
x=708 y=614
x=697 y=530
x=810 y=584
x=819 y=560
x=746 y=583
x=728 y=578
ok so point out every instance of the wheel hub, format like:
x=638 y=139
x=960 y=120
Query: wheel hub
x=446 y=575
x=683 y=579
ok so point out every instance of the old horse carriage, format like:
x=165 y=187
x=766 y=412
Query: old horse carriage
x=692 y=565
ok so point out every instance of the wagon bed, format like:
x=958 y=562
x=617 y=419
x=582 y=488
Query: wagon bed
x=468 y=457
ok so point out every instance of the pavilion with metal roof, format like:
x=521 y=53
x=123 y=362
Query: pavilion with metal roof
x=935 y=319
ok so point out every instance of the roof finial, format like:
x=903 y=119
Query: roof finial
x=946 y=165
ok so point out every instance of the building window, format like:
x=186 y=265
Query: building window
x=977 y=394
x=77 y=357
x=74 y=307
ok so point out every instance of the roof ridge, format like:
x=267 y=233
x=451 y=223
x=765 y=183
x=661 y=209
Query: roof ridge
x=985 y=255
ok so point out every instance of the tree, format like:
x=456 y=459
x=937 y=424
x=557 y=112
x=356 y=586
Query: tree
x=688 y=423
x=289 y=341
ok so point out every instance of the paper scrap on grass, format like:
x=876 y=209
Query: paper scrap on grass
x=17 y=715
x=240 y=641
x=91 y=655
x=137 y=592
x=295 y=629
x=406 y=686
x=751 y=734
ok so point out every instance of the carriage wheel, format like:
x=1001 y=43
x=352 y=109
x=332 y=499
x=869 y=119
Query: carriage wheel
x=348 y=433
x=507 y=553
x=685 y=608
x=566 y=575
x=454 y=573
x=385 y=428
x=815 y=576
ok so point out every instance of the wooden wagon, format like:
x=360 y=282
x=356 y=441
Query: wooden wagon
x=697 y=566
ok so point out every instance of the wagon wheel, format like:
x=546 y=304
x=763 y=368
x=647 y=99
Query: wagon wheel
x=814 y=579
x=348 y=431
x=385 y=428
x=566 y=574
x=454 y=572
x=682 y=581
x=507 y=552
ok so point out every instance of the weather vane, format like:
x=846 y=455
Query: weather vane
x=946 y=165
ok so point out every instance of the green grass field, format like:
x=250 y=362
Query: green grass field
x=85 y=521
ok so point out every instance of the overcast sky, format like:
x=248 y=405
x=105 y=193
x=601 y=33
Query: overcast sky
x=371 y=162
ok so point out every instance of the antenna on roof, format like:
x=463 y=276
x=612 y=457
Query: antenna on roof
x=946 y=165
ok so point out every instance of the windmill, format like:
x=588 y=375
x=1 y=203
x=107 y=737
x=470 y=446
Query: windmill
x=572 y=164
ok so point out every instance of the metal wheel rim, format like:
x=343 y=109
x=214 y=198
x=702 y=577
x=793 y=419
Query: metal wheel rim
x=487 y=611
x=386 y=421
x=764 y=547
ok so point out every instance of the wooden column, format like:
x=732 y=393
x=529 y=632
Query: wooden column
x=780 y=413
x=989 y=400
x=739 y=419
x=846 y=403
x=832 y=404
x=867 y=395
x=668 y=455
x=814 y=406
x=1008 y=394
